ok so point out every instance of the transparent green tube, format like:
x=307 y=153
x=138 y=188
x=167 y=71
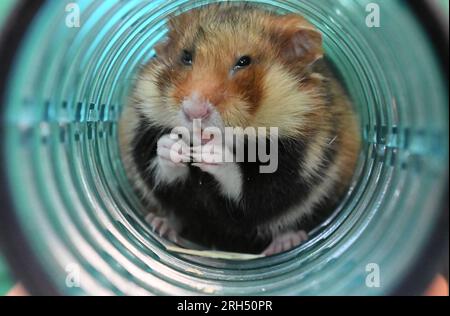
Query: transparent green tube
x=77 y=209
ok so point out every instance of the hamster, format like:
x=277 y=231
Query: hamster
x=234 y=65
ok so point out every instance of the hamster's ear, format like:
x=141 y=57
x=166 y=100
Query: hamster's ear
x=299 y=40
x=175 y=23
x=161 y=48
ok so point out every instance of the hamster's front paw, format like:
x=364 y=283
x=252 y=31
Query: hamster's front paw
x=285 y=242
x=173 y=151
x=162 y=227
x=172 y=158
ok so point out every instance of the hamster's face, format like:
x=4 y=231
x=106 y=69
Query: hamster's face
x=231 y=67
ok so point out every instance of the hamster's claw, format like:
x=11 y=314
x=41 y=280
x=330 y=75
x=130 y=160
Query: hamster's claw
x=285 y=242
x=162 y=227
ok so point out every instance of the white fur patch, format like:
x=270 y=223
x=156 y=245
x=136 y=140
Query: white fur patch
x=147 y=98
x=229 y=177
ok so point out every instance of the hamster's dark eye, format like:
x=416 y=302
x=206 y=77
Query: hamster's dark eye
x=186 y=58
x=243 y=62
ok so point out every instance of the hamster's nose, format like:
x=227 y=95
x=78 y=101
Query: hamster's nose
x=194 y=108
x=196 y=112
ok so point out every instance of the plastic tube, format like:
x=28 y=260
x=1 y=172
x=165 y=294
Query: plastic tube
x=70 y=213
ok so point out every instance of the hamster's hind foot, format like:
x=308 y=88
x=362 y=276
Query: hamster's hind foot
x=285 y=242
x=162 y=227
